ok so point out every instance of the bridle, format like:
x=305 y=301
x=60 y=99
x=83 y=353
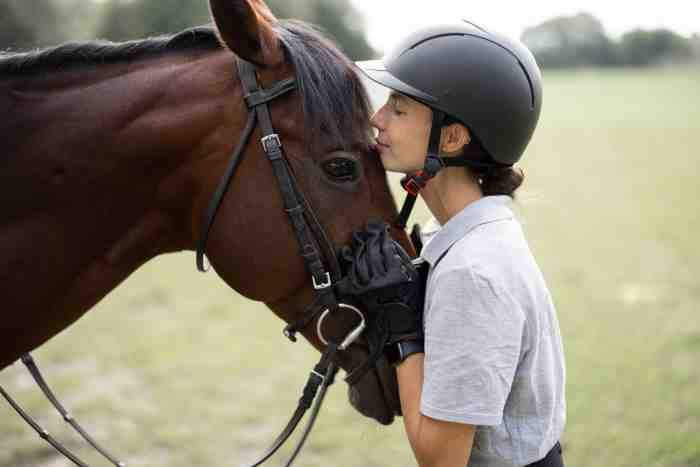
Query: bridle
x=308 y=231
x=313 y=242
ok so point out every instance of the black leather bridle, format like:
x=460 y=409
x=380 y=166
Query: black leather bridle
x=308 y=231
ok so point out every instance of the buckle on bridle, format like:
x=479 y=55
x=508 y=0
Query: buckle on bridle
x=271 y=143
x=352 y=336
x=323 y=285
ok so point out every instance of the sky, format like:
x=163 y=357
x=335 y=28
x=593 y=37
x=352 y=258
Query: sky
x=389 y=20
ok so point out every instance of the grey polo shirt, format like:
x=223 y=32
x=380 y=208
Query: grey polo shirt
x=493 y=351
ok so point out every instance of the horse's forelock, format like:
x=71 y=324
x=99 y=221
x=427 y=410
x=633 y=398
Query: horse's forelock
x=335 y=103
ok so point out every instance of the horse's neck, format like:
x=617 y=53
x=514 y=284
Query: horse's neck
x=96 y=180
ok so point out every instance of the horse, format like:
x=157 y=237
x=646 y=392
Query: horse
x=112 y=152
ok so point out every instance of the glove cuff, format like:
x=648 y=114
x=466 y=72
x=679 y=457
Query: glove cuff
x=399 y=351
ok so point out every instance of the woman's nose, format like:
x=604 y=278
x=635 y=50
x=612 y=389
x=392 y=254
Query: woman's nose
x=377 y=121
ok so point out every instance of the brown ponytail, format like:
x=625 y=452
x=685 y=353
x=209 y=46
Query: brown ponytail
x=502 y=181
x=494 y=178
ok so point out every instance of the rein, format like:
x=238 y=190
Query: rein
x=308 y=231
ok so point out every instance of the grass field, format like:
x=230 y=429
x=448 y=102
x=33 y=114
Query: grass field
x=174 y=369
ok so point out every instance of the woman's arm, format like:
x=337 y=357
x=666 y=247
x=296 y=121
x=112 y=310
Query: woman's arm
x=435 y=443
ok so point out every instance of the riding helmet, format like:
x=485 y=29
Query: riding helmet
x=487 y=81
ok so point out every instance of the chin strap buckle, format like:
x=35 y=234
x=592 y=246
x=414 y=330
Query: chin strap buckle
x=412 y=183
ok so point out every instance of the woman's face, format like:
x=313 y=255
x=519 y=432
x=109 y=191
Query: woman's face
x=403 y=126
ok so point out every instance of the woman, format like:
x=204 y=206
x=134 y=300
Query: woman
x=489 y=388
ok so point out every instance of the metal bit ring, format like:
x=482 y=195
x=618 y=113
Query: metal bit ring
x=352 y=336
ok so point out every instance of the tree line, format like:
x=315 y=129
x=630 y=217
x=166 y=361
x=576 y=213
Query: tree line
x=30 y=24
x=581 y=41
x=561 y=42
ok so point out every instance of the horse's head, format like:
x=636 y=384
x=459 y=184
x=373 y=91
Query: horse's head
x=324 y=128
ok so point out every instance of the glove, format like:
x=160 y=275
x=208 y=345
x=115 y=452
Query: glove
x=379 y=275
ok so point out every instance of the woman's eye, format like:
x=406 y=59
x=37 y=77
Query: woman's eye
x=341 y=169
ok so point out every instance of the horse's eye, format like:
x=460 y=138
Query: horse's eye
x=341 y=169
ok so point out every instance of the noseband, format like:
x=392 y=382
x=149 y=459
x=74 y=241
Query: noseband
x=308 y=231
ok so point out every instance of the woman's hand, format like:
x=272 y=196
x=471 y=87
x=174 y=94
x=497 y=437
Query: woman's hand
x=380 y=276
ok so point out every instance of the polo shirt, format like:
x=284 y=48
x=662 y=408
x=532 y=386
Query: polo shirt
x=493 y=351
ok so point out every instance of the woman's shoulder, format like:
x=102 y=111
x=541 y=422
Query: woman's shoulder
x=497 y=243
x=494 y=254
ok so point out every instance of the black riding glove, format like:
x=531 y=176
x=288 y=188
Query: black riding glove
x=379 y=276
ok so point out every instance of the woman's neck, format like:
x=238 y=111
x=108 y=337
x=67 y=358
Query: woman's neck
x=449 y=192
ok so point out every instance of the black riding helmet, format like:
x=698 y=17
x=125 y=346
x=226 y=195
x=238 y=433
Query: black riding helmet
x=485 y=80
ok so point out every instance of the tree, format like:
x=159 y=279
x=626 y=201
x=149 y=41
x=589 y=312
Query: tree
x=570 y=41
x=132 y=19
x=641 y=47
x=338 y=18
x=14 y=34
x=694 y=42
x=28 y=24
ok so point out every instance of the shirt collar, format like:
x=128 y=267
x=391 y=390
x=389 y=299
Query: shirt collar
x=484 y=210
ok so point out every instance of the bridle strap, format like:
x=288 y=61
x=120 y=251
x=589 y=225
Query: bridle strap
x=295 y=204
x=292 y=205
x=259 y=98
x=323 y=375
x=67 y=417
x=263 y=96
x=208 y=218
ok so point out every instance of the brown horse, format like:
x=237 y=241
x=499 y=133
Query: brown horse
x=112 y=152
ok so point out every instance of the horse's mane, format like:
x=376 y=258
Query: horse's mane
x=94 y=53
x=336 y=106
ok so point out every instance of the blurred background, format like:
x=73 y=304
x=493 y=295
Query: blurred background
x=175 y=369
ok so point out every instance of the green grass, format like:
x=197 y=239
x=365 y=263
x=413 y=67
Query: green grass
x=174 y=369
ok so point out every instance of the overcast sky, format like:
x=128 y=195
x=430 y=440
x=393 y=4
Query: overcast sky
x=388 y=20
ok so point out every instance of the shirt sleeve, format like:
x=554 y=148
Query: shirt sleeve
x=473 y=334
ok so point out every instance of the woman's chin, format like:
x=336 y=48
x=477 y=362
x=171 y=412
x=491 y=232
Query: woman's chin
x=390 y=164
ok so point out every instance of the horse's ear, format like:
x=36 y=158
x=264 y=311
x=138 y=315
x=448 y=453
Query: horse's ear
x=245 y=27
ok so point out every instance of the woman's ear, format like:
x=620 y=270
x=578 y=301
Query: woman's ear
x=454 y=137
x=245 y=27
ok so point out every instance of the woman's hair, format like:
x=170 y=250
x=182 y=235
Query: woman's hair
x=492 y=177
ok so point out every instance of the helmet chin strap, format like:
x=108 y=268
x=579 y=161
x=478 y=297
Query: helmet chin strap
x=414 y=183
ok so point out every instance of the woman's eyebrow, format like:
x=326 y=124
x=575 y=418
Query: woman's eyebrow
x=396 y=96
x=396 y=99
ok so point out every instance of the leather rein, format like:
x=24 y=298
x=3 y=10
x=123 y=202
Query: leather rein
x=308 y=231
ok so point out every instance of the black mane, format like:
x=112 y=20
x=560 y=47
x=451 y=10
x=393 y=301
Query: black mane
x=335 y=103
x=95 y=53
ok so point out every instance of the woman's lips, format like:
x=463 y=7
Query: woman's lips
x=380 y=146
